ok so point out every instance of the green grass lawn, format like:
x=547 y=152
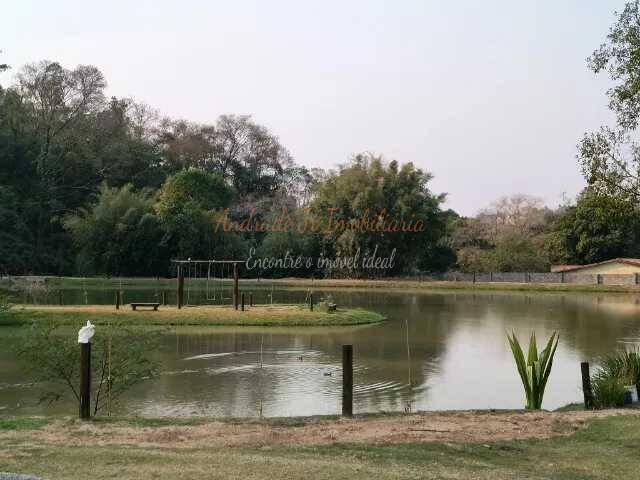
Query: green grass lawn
x=607 y=448
x=262 y=315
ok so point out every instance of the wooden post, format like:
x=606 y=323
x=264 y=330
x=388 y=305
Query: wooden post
x=180 y=292
x=164 y=298
x=242 y=301
x=121 y=297
x=636 y=278
x=561 y=277
x=117 y=300
x=474 y=277
x=85 y=381
x=586 y=386
x=347 y=380
x=311 y=301
x=61 y=301
x=599 y=278
x=235 y=286
x=490 y=276
x=251 y=299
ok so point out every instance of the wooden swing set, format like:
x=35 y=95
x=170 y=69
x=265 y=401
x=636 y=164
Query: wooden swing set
x=216 y=272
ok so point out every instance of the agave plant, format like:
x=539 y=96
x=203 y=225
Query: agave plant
x=534 y=370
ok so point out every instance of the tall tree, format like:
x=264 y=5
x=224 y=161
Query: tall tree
x=610 y=157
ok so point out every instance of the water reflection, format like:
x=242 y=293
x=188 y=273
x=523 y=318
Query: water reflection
x=442 y=350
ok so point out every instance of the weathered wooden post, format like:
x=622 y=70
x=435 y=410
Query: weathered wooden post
x=235 y=286
x=251 y=299
x=347 y=380
x=311 y=301
x=164 y=298
x=599 y=278
x=180 y=292
x=117 y=295
x=84 y=339
x=61 y=300
x=242 y=301
x=586 y=386
x=474 y=277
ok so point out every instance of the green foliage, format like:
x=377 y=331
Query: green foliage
x=119 y=234
x=608 y=392
x=120 y=359
x=368 y=188
x=23 y=423
x=535 y=369
x=5 y=305
x=192 y=189
x=599 y=227
x=610 y=157
x=614 y=373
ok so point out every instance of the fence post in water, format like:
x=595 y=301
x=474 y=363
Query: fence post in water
x=235 y=286
x=85 y=381
x=347 y=380
x=117 y=300
x=242 y=301
x=180 y=292
x=586 y=386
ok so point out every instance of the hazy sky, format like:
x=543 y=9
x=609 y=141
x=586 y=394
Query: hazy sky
x=491 y=97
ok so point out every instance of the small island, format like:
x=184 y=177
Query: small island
x=204 y=315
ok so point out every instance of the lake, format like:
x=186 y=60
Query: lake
x=438 y=350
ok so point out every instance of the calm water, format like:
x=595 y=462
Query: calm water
x=437 y=351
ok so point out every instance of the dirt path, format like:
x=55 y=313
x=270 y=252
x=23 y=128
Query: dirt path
x=451 y=427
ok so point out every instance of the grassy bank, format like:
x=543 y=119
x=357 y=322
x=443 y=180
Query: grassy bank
x=585 y=447
x=301 y=283
x=263 y=315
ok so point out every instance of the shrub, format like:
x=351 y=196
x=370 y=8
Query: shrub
x=615 y=372
x=534 y=370
x=120 y=360
x=608 y=392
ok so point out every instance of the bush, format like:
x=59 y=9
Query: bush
x=608 y=392
x=615 y=372
x=119 y=352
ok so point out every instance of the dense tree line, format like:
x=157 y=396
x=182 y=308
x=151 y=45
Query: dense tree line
x=96 y=185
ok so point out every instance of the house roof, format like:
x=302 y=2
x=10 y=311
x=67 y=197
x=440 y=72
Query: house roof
x=571 y=268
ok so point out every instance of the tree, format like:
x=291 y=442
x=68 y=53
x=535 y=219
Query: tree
x=509 y=236
x=599 y=227
x=610 y=157
x=369 y=204
x=119 y=234
x=188 y=206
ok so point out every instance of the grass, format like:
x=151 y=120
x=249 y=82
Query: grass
x=263 y=315
x=407 y=284
x=606 y=449
x=23 y=423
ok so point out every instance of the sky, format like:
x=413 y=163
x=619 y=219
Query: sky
x=491 y=97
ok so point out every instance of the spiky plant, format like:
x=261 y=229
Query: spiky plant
x=534 y=370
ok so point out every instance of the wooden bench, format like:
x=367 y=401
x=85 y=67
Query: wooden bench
x=135 y=305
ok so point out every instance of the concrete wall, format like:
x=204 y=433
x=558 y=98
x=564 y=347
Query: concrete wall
x=578 y=278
